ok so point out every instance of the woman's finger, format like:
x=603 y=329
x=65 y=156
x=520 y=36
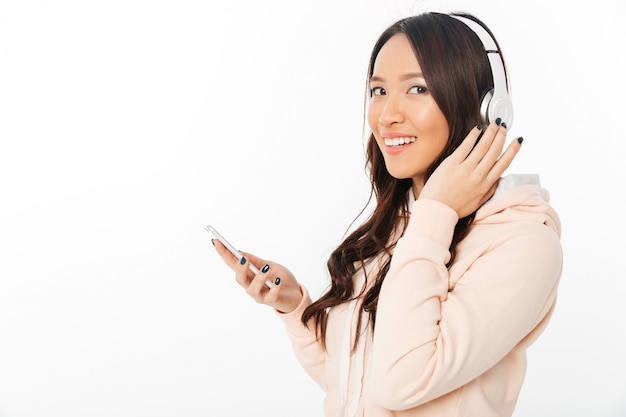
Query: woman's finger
x=260 y=284
x=243 y=275
x=483 y=145
x=505 y=160
x=258 y=262
x=493 y=152
x=464 y=149
x=228 y=258
x=272 y=295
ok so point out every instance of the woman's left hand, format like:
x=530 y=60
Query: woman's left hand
x=284 y=294
x=469 y=176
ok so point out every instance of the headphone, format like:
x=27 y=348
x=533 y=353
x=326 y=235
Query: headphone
x=497 y=101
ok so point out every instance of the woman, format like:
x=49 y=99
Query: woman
x=435 y=298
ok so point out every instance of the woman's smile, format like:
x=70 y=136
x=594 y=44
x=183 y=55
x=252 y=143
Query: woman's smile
x=396 y=144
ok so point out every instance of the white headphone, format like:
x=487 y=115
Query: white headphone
x=497 y=101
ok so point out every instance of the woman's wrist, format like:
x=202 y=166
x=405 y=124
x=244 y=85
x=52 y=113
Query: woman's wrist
x=432 y=219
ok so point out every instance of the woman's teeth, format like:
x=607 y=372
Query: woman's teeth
x=397 y=142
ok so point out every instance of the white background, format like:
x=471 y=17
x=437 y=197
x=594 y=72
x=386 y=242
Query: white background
x=126 y=126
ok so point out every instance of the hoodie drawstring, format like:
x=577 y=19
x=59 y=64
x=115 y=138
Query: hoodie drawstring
x=349 y=409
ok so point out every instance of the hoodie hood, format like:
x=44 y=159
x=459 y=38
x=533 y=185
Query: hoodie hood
x=519 y=198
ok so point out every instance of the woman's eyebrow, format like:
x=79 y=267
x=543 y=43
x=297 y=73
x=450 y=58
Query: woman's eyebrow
x=403 y=77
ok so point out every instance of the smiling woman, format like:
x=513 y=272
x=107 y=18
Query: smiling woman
x=435 y=298
x=126 y=126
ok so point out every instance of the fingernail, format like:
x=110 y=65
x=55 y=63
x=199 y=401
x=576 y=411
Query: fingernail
x=479 y=127
x=265 y=268
x=277 y=281
x=503 y=125
x=243 y=260
x=212 y=242
x=520 y=140
x=498 y=121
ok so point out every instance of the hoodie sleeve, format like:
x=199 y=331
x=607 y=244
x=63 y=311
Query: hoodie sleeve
x=429 y=341
x=307 y=348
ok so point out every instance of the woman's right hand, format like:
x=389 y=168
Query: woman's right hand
x=469 y=176
x=284 y=295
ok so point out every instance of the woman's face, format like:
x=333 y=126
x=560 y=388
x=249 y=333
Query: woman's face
x=407 y=124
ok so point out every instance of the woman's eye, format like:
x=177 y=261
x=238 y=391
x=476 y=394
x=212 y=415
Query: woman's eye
x=377 y=91
x=417 y=90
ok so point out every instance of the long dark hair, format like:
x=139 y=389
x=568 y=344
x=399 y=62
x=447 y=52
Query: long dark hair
x=457 y=71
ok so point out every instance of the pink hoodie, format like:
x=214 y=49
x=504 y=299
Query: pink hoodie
x=448 y=342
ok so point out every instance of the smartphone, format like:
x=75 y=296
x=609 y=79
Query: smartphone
x=235 y=252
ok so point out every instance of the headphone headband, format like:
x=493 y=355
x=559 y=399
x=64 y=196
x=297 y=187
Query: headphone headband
x=496 y=102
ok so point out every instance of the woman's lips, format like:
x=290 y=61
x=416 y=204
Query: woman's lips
x=398 y=144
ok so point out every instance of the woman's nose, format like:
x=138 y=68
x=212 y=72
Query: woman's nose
x=391 y=112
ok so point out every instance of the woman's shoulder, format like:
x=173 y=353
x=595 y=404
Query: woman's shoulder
x=519 y=201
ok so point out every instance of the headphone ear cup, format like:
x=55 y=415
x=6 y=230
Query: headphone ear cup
x=503 y=108
x=484 y=106
x=493 y=107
